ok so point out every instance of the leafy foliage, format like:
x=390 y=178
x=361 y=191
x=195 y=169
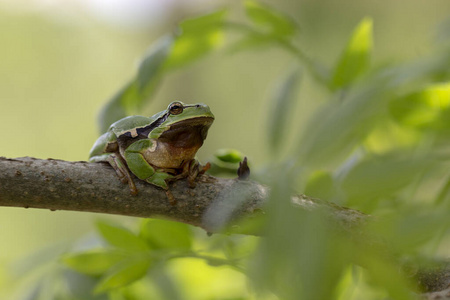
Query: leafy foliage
x=197 y=37
x=380 y=139
x=276 y=23
x=283 y=101
x=356 y=57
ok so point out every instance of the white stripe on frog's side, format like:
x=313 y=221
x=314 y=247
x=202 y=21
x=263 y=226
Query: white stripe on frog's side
x=154 y=145
x=133 y=132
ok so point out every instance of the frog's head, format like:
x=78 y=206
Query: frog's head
x=184 y=124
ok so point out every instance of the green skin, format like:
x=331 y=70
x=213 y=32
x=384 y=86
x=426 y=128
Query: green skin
x=157 y=149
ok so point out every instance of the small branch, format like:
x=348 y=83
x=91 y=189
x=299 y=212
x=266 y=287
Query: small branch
x=214 y=202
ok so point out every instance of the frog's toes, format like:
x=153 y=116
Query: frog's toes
x=192 y=184
x=205 y=168
x=133 y=189
x=171 y=198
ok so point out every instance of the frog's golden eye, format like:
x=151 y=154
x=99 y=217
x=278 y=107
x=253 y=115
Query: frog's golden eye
x=176 y=108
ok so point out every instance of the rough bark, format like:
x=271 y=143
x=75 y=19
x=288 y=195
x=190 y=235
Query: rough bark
x=214 y=202
x=94 y=187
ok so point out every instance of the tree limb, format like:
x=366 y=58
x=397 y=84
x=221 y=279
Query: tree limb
x=94 y=187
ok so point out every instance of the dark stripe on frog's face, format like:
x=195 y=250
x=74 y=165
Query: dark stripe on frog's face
x=129 y=137
x=143 y=132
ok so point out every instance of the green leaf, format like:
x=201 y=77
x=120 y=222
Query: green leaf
x=282 y=105
x=115 y=109
x=225 y=162
x=124 y=273
x=150 y=67
x=395 y=284
x=121 y=237
x=94 y=262
x=320 y=185
x=407 y=229
x=251 y=41
x=444 y=194
x=276 y=22
x=134 y=94
x=355 y=59
x=288 y=266
x=167 y=286
x=382 y=176
x=335 y=130
x=198 y=37
x=161 y=234
x=229 y=155
x=425 y=109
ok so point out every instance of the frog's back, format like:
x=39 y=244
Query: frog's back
x=129 y=123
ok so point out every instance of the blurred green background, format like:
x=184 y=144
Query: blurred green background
x=61 y=60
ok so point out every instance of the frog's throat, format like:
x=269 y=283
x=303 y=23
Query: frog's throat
x=187 y=133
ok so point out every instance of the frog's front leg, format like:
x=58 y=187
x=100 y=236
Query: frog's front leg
x=191 y=170
x=195 y=170
x=143 y=170
x=119 y=165
x=116 y=161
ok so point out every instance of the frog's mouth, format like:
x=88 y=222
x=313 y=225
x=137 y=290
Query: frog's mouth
x=187 y=133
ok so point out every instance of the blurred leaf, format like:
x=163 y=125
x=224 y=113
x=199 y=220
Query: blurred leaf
x=432 y=68
x=223 y=209
x=135 y=93
x=223 y=169
x=121 y=237
x=36 y=260
x=252 y=41
x=94 y=262
x=278 y=23
x=294 y=259
x=444 y=195
x=161 y=234
x=229 y=155
x=282 y=105
x=355 y=59
x=150 y=67
x=198 y=37
x=253 y=225
x=335 y=130
x=115 y=109
x=79 y=286
x=168 y=288
x=425 y=109
x=124 y=273
x=225 y=162
x=386 y=276
x=320 y=185
x=381 y=176
x=407 y=230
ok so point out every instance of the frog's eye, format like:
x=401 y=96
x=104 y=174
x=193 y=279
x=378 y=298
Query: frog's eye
x=176 y=108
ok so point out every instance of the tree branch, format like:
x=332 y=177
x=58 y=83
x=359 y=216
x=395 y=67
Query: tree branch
x=94 y=187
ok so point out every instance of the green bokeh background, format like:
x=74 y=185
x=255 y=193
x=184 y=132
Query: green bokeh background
x=57 y=70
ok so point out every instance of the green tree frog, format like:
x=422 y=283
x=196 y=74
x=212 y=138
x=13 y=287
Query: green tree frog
x=157 y=149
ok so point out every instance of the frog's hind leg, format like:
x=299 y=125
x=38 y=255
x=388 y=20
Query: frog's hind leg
x=143 y=170
x=122 y=171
